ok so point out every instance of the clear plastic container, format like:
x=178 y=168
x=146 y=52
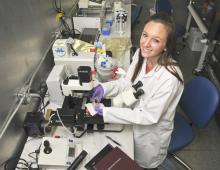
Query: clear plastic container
x=105 y=74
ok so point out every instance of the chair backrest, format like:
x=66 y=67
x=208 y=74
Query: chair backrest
x=199 y=100
x=163 y=6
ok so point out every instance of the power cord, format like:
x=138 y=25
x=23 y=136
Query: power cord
x=44 y=106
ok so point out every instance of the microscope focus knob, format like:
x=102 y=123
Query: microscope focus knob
x=47 y=148
x=137 y=85
x=138 y=93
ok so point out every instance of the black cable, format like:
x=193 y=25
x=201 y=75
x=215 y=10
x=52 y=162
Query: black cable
x=21 y=163
x=30 y=155
x=73 y=29
x=25 y=163
x=12 y=159
x=35 y=158
x=30 y=167
x=74 y=51
x=66 y=27
x=79 y=136
x=44 y=106
x=78 y=31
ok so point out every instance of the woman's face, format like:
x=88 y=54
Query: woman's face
x=153 y=40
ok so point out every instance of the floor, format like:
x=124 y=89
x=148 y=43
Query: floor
x=204 y=152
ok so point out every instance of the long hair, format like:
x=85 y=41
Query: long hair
x=166 y=57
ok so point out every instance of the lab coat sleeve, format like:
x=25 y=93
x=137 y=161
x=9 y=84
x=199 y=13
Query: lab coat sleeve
x=113 y=88
x=151 y=110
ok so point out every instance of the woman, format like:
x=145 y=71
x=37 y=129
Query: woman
x=152 y=115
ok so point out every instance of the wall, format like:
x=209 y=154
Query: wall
x=26 y=31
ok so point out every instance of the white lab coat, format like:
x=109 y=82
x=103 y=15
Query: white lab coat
x=152 y=116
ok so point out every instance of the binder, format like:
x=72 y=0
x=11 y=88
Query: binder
x=90 y=165
x=115 y=159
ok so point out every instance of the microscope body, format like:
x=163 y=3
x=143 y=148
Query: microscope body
x=128 y=97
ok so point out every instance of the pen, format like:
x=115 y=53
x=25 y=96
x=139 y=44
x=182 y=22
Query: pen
x=113 y=140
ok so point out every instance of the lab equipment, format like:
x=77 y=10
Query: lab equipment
x=106 y=68
x=73 y=53
x=74 y=90
x=90 y=17
x=106 y=29
x=89 y=3
x=53 y=82
x=78 y=84
x=206 y=16
x=128 y=97
x=73 y=114
x=69 y=84
x=90 y=35
x=60 y=83
x=60 y=48
x=121 y=19
x=56 y=152
x=33 y=124
x=206 y=11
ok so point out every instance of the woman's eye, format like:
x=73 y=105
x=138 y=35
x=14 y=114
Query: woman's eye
x=144 y=35
x=156 y=40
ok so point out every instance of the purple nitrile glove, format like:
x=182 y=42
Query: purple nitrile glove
x=99 y=109
x=97 y=94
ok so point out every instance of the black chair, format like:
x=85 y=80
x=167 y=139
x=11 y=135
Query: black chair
x=199 y=102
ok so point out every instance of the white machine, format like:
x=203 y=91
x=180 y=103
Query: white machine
x=73 y=85
x=72 y=72
x=60 y=84
x=57 y=153
x=65 y=54
x=90 y=14
x=54 y=80
x=87 y=3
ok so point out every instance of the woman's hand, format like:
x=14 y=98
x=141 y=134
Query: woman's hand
x=97 y=94
x=99 y=109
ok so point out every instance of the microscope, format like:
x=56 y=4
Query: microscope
x=128 y=97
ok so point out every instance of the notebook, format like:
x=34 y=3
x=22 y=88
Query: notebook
x=116 y=159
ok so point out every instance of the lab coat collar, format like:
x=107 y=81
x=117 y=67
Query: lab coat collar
x=152 y=72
